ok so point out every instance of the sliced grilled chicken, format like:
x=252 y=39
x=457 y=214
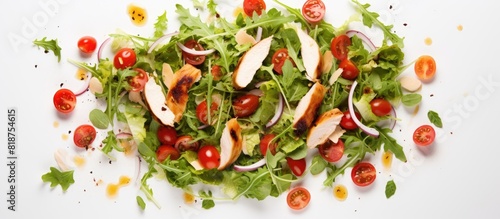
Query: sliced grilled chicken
x=250 y=62
x=177 y=96
x=311 y=55
x=155 y=101
x=307 y=108
x=231 y=143
x=327 y=61
x=323 y=127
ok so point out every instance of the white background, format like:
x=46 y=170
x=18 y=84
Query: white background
x=454 y=178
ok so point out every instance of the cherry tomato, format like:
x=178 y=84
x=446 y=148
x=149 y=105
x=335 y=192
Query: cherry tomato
x=313 y=11
x=124 y=58
x=202 y=111
x=138 y=81
x=340 y=46
x=380 y=107
x=425 y=68
x=424 y=135
x=165 y=151
x=190 y=58
x=185 y=143
x=249 y=6
x=167 y=135
x=298 y=167
x=209 y=157
x=347 y=123
x=245 y=105
x=331 y=152
x=265 y=144
x=279 y=58
x=363 y=174
x=87 y=44
x=64 y=100
x=216 y=72
x=84 y=135
x=298 y=198
x=350 y=71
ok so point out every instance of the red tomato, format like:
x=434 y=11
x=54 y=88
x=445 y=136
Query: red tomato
x=165 y=151
x=249 y=6
x=186 y=143
x=331 y=152
x=167 y=135
x=339 y=46
x=190 y=58
x=124 y=58
x=350 y=71
x=138 y=81
x=424 y=135
x=64 y=100
x=363 y=174
x=265 y=144
x=87 y=44
x=298 y=198
x=347 y=123
x=245 y=105
x=216 y=72
x=279 y=58
x=313 y=11
x=209 y=157
x=202 y=111
x=84 y=135
x=380 y=107
x=298 y=167
x=425 y=68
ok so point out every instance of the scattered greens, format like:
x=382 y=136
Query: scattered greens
x=140 y=202
x=55 y=177
x=411 y=99
x=49 y=45
x=435 y=119
x=390 y=189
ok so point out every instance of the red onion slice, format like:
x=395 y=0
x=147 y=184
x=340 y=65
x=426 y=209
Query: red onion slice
x=195 y=52
x=85 y=86
x=99 y=51
x=366 y=129
x=278 y=112
x=391 y=121
x=161 y=39
x=363 y=37
x=250 y=167
x=256 y=92
x=123 y=135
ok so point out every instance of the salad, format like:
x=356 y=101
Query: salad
x=251 y=106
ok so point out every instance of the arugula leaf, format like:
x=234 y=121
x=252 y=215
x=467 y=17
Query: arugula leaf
x=140 y=202
x=161 y=25
x=390 y=144
x=56 y=177
x=435 y=119
x=390 y=188
x=49 y=45
x=207 y=202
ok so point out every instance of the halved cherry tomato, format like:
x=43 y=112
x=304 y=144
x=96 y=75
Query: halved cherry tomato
x=190 y=58
x=347 y=123
x=298 y=198
x=185 y=143
x=249 y=6
x=216 y=72
x=167 y=135
x=202 y=111
x=350 y=71
x=138 y=81
x=84 y=135
x=209 y=157
x=340 y=46
x=265 y=143
x=425 y=68
x=380 y=107
x=424 y=135
x=87 y=44
x=124 y=58
x=331 y=152
x=313 y=11
x=363 y=174
x=64 y=100
x=279 y=58
x=298 y=167
x=245 y=105
x=165 y=151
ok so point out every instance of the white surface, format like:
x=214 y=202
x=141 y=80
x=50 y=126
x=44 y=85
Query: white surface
x=456 y=178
